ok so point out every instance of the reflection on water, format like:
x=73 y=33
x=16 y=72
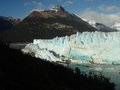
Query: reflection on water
x=20 y=46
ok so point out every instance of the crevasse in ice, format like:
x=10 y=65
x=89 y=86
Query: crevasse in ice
x=86 y=47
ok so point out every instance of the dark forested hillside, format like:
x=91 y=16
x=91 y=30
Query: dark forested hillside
x=19 y=71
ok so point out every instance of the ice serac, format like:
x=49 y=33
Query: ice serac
x=86 y=47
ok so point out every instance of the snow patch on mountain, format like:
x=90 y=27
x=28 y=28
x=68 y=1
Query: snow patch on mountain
x=102 y=26
x=91 y=22
x=116 y=26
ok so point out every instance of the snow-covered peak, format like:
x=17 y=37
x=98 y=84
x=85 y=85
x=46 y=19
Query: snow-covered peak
x=116 y=25
x=58 y=8
x=91 y=22
x=102 y=27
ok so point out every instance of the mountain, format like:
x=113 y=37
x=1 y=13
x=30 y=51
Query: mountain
x=104 y=28
x=7 y=23
x=101 y=27
x=116 y=26
x=46 y=24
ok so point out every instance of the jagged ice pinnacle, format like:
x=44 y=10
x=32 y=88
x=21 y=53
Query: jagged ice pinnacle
x=86 y=47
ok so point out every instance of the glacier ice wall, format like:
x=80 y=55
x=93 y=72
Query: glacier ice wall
x=86 y=47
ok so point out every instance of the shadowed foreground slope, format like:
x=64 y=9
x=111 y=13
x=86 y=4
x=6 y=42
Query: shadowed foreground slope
x=19 y=71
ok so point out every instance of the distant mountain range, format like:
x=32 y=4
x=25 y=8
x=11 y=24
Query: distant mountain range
x=116 y=26
x=45 y=25
x=7 y=23
x=101 y=27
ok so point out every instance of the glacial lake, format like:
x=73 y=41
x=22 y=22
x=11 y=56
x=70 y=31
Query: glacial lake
x=17 y=46
x=109 y=71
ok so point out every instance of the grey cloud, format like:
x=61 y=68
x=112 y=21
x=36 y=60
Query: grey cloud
x=69 y=2
x=112 y=8
x=66 y=2
x=107 y=19
x=38 y=5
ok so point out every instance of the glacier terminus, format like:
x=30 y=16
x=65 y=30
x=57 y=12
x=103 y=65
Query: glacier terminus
x=86 y=47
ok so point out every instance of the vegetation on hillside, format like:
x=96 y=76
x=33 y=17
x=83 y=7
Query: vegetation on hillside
x=19 y=71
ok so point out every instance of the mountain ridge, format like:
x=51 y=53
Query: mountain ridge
x=46 y=24
x=102 y=27
x=7 y=23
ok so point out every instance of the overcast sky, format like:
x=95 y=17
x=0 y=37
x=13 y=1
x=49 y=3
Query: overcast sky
x=106 y=11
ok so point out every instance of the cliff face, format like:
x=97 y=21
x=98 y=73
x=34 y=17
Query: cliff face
x=47 y=24
x=86 y=47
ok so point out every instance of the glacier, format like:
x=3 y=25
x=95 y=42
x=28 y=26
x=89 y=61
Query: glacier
x=86 y=47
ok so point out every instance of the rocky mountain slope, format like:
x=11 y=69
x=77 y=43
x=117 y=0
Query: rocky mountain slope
x=45 y=25
x=7 y=23
x=104 y=28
